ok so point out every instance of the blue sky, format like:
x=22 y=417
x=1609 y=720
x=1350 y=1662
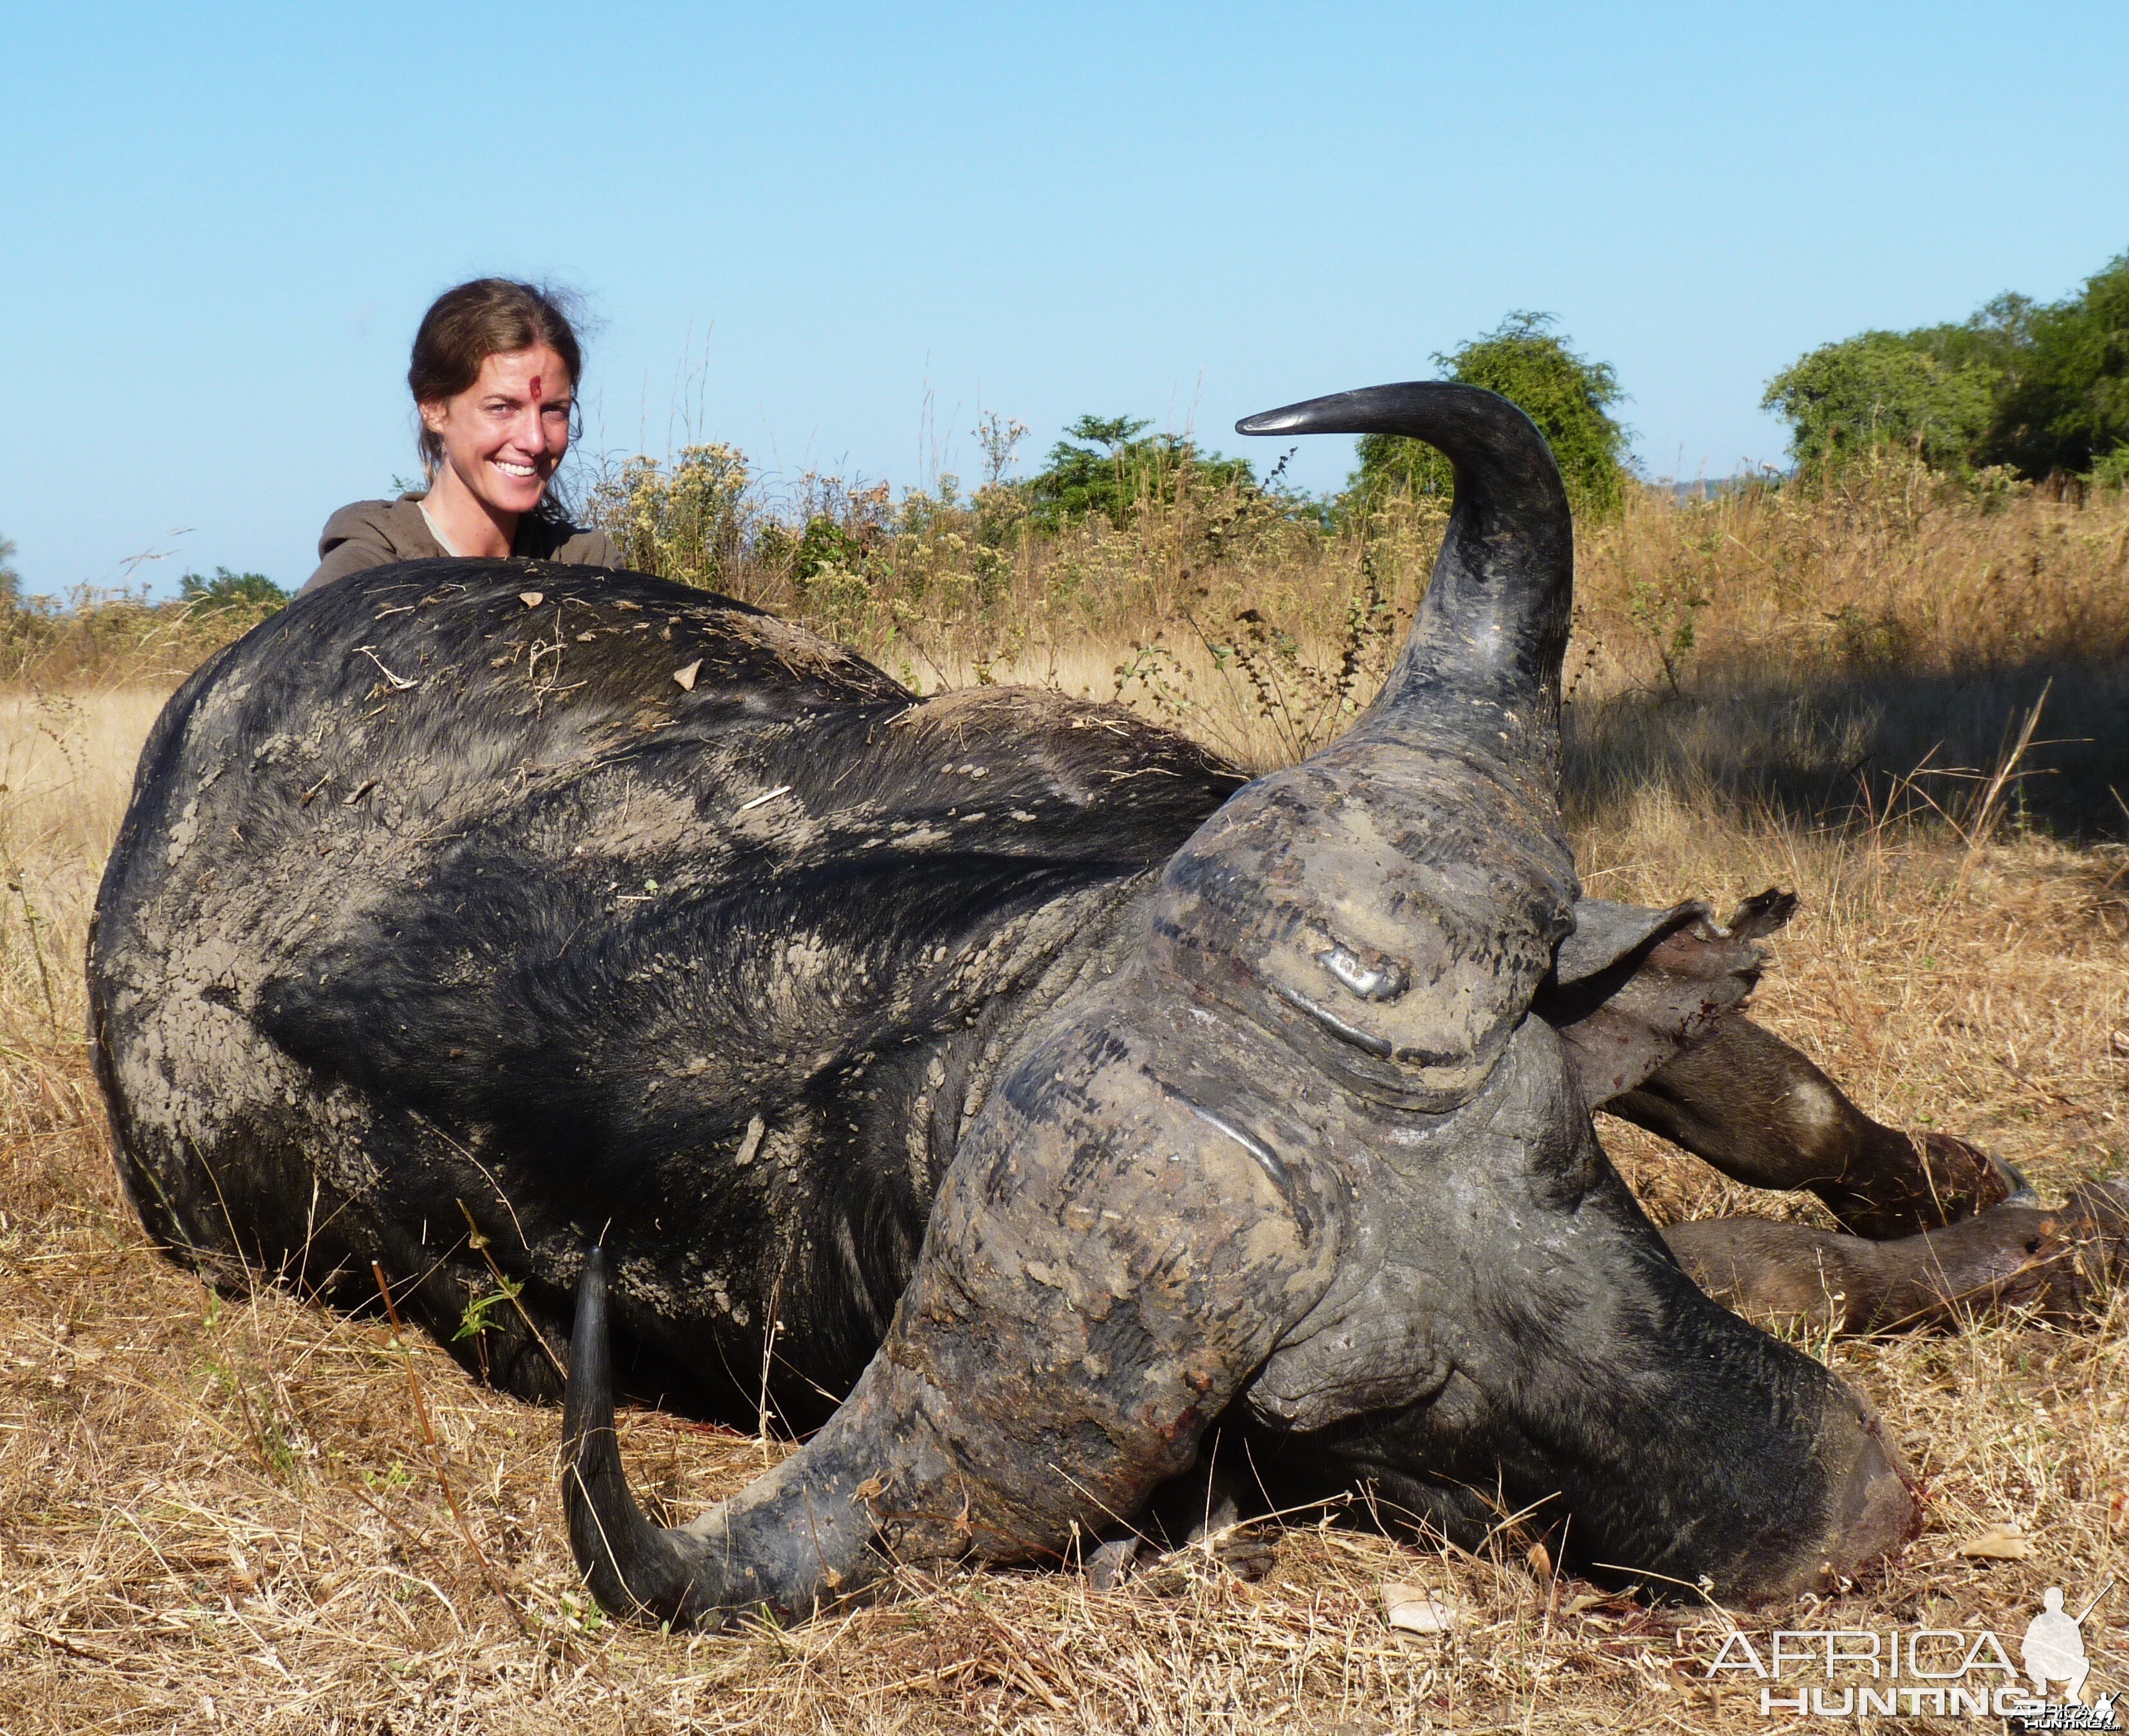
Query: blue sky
x=832 y=234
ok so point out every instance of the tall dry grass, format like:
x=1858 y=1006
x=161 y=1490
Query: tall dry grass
x=1763 y=646
x=226 y=1514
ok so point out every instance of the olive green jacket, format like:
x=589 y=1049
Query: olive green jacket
x=377 y=532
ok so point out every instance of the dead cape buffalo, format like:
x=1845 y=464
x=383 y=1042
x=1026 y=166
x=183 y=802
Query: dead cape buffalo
x=997 y=1081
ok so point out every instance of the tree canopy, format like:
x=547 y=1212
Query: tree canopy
x=1568 y=396
x=1885 y=388
x=2067 y=407
x=2041 y=387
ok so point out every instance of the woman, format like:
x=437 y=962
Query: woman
x=494 y=378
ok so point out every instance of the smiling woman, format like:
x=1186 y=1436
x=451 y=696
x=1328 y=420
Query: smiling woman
x=494 y=377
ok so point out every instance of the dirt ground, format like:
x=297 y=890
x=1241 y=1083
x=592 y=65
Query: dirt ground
x=219 y=1513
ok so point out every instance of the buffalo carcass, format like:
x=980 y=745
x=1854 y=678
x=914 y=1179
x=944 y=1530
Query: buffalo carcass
x=995 y=1081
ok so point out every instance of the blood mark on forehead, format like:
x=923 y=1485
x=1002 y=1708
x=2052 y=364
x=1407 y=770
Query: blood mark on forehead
x=537 y=394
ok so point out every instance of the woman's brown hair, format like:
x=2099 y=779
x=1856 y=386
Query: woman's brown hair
x=490 y=316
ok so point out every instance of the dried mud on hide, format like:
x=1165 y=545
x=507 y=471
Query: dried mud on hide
x=222 y=1513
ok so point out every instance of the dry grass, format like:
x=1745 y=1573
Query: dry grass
x=218 y=1514
x=1767 y=648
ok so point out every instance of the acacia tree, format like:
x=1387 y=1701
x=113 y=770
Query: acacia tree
x=1568 y=396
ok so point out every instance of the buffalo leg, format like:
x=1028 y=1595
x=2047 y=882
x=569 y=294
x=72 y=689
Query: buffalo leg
x=2008 y=1255
x=1762 y=1113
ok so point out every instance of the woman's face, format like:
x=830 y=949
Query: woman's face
x=504 y=435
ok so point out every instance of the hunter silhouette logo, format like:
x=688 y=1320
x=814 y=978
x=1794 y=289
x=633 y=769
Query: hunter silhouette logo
x=2054 y=1650
x=1959 y=1673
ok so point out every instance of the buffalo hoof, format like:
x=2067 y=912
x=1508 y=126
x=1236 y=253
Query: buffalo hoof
x=2063 y=1262
x=2095 y=1220
x=1239 y=1549
x=2011 y=1256
x=2104 y=1207
x=1109 y=1565
x=1191 y=1518
x=1952 y=1179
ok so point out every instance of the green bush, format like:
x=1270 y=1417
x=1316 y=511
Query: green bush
x=692 y=523
x=227 y=590
x=1568 y=396
x=827 y=542
x=1106 y=464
